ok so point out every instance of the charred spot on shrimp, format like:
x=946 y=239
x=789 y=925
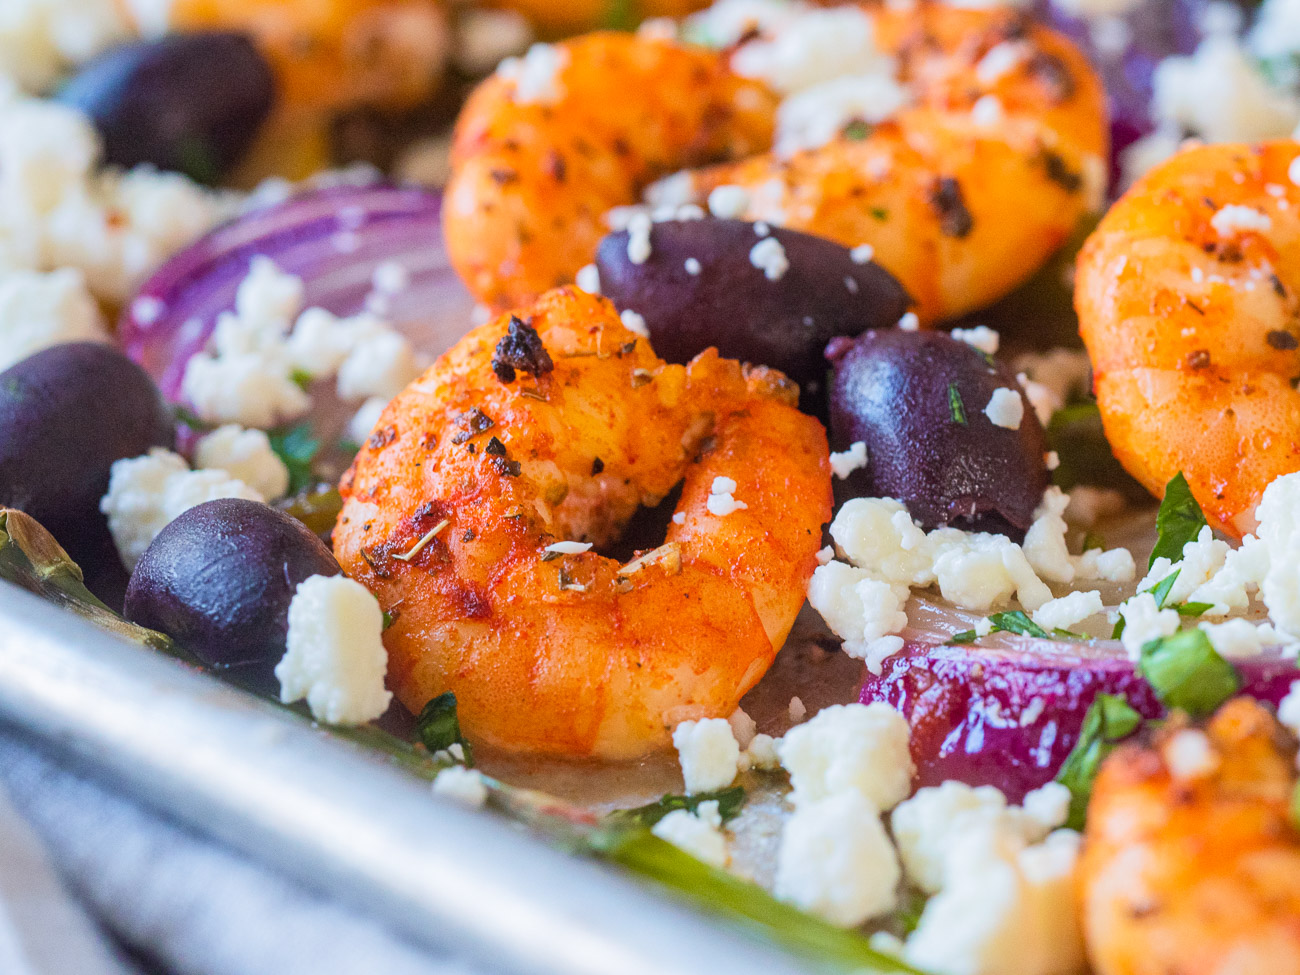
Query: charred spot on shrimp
x=472 y=423
x=1282 y=340
x=948 y=202
x=520 y=350
x=1060 y=173
x=1052 y=73
x=1198 y=359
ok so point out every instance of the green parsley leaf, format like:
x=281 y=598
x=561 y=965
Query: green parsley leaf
x=1192 y=609
x=857 y=130
x=879 y=213
x=1109 y=720
x=965 y=636
x=301 y=378
x=388 y=619
x=1178 y=521
x=191 y=419
x=438 y=726
x=1017 y=621
x=1161 y=592
x=729 y=803
x=955 y=405
x=298 y=448
x=1092 y=540
x=621 y=15
x=1186 y=672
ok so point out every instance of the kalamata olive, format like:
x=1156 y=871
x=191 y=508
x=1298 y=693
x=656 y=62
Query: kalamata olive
x=705 y=284
x=66 y=414
x=219 y=579
x=918 y=401
x=192 y=103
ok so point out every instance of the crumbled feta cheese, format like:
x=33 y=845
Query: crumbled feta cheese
x=796 y=710
x=1049 y=804
x=638 y=238
x=1111 y=565
x=634 y=323
x=1237 y=639
x=334 y=655
x=981 y=337
x=383 y=365
x=878 y=535
x=1279 y=530
x=980 y=571
x=1066 y=373
x=1044 y=544
x=721 y=500
x=699 y=834
x=1005 y=409
x=40 y=310
x=818 y=115
x=588 y=279
x=1189 y=755
x=1202 y=558
x=248 y=389
x=862 y=254
x=1051 y=459
x=464 y=785
x=825 y=554
x=537 y=74
x=859 y=609
x=245 y=455
x=145 y=494
x=568 y=548
x=1001 y=60
x=817 y=46
x=1288 y=709
x=725 y=22
x=836 y=860
x=910 y=322
x=1234 y=219
x=845 y=462
x=987 y=112
x=728 y=202
x=708 y=752
x=366 y=419
x=679 y=517
x=693 y=266
x=761 y=753
x=930 y=825
x=860 y=748
x=390 y=278
x=1143 y=622
x=1089 y=504
x=1065 y=612
x=769 y=257
x=1004 y=908
x=41 y=39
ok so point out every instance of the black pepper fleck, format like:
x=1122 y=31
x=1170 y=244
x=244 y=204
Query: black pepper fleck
x=520 y=349
x=472 y=423
x=597 y=466
x=948 y=202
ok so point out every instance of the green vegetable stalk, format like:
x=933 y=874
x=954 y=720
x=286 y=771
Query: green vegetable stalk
x=32 y=559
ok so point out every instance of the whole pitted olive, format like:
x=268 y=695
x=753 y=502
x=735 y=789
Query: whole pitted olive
x=769 y=296
x=66 y=414
x=192 y=103
x=948 y=430
x=219 y=579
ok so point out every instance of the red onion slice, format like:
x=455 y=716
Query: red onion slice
x=1008 y=711
x=334 y=239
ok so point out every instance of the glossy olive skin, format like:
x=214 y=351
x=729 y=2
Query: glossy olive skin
x=66 y=414
x=219 y=579
x=731 y=305
x=891 y=390
x=190 y=103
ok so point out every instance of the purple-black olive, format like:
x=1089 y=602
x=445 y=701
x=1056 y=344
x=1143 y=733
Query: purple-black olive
x=917 y=400
x=219 y=579
x=700 y=288
x=66 y=414
x=191 y=103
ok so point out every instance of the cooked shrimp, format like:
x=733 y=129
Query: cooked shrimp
x=960 y=203
x=569 y=16
x=1188 y=294
x=556 y=427
x=1191 y=864
x=331 y=53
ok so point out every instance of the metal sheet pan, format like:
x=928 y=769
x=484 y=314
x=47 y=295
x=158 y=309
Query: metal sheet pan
x=240 y=770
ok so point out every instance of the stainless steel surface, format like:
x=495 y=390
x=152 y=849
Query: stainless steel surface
x=240 y=770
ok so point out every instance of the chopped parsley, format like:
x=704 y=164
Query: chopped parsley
x=438 y=726
x=857 y=130
x=1187 y=673
x=729 y=803
x=955 y=406
x=1018 y=622
x=298 y=448
x=1109 y=720
x=1178 y=522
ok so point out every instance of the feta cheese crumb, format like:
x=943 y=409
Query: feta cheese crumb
x=836 y=860
x=721 y=500
x=693 y=266
x=568 y=548
x=146 y=494
x=862 y=254
x=796 y=710
x=245 y=455
x=40 y=310
x=845 y=462
x=728 y=202
x=366 y=419
x=981 y=337
x=536 y=75
x=1143 y=622
x=761 y=753
x=1234 y=219
x=638 y=238
x=1005 y=409
x=708 y=752
x=769 y=256
x=588 y=279
x=335 y=656
x=1189 y=755
x=1066 y=611
x=859 y=609
x=910 y=322
x=860 y=748
x=464 y=785
x=634 y=323
x=699 y=834
x=1288 y=709
x=1238 y=639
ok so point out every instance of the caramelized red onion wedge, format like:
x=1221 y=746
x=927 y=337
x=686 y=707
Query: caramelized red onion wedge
x=334 y=239
x=1007 y=709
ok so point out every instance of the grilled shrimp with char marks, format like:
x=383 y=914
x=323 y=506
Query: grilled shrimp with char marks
x=1188 y=294
x=1195 y=871
x=555 y=426
x=961 y=204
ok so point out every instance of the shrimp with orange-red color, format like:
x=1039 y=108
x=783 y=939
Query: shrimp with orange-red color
x=1188 y=296
x=472 y=510
x=992 y=156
